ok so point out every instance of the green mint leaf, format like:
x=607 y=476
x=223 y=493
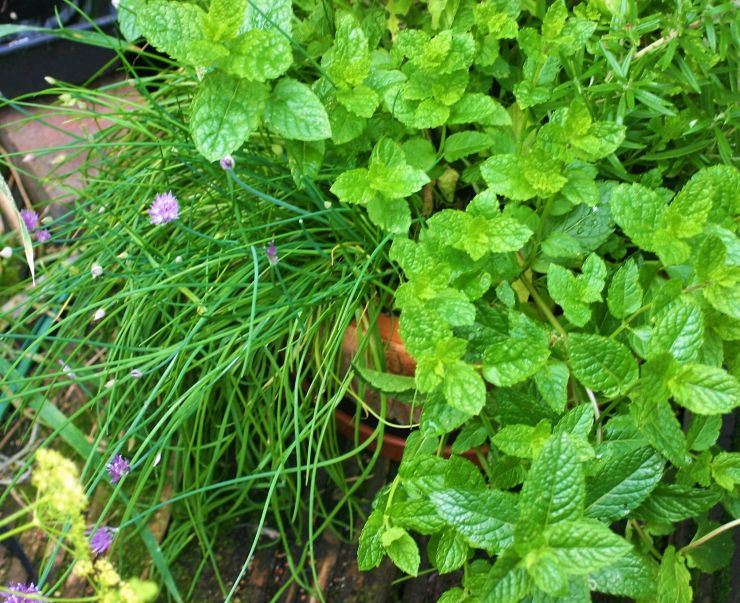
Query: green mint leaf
x=715 y=553
x=575 y=293
x=703 y=431
x=370 y=550
x=671 y=503
x=485 y=518
x=258 y=55
x=602 y=140
x=690 y=209
x=679 y=331
x=439 y=417
x=448 y=550
x=462 y=474
x=471 y=436
x=554 y=20
x=464 y=388
x=584 y=546
x=577 y=422
x=353 y=186
x=581 y=187
x=386 y=382
x=503 y=174
x=345 y=126
x=657 y=422
x=506 y=583
x=127 y=11
x=402 y=549
x=225 y=111
x=622 y=484
x=726 y=470
x=420 y=153
x=546 y=572
x=523 y=441
x=391 y=214
x=360 y=100
x=632 y=576
x=639 y=211
x=269 y=14
x=498 y=18
x=390 y=174
x=462 y=144
x=722 y=184
x=179 y=29
x=674 y=580
x=543 y=173
x=552 y=383
x=224 y=19
x=295 y=112
x=418 y=515
x=554 y=490
x=348 y=62
x=478 y=108
x=705 y=390
x=601 y=364
x=561 y=245
x=516 y=357
x=625 y=293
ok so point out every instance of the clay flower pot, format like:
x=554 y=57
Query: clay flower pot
x=401 y=414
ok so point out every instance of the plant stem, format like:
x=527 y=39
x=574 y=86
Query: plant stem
x=543 y=307
x=716 y=532
x=645 y=539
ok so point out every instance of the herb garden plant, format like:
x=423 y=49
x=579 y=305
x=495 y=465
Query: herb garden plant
x=557 y=184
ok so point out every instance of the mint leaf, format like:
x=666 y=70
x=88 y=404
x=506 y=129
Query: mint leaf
x=583 y=546
x=370 y=550
x=657 y=422
x=225 y=111
x=386 y=382
x=479 y=108
x=639 y=211
x=353 y=186
x=402 y=550
x=601 y=364
x=269 y=14
x=674 y=580
x=671 y=503
x=390 y=174
x=705 y=390
x=625 y=293
x=258 y=55
x=554 y=490
x=485 y=518
x=391 y=214
x=418 y=515
x=127 y=11
x=464 y=388
x=622 y=483
x=726 y=470
x=575 y=293
x=703 y=431
x=629 y=576
x=715 y=553
x=448 y=550
x=516 y=357
x=547 y=573
x=225 y=18
x=361 y=100
x=179 y=29
x=295 y=112
x=679 y=330
x=552 y=383
x=522 y=441
x=503 y=174
x=462 y=144
x=348 y=62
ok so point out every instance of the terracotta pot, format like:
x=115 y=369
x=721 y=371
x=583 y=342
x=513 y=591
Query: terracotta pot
x=399 y=362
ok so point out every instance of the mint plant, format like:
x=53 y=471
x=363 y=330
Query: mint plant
x=563 y=203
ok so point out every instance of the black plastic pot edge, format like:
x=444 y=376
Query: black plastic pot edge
x=25 y=61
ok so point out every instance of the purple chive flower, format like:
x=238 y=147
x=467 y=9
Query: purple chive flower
x=136 y=373
x=117 y=468
x=43 y=235
x=165 y=208
x=272 y=254
x=30 y=218
x=227 y=163
x=101 y=540
x=20 y=589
